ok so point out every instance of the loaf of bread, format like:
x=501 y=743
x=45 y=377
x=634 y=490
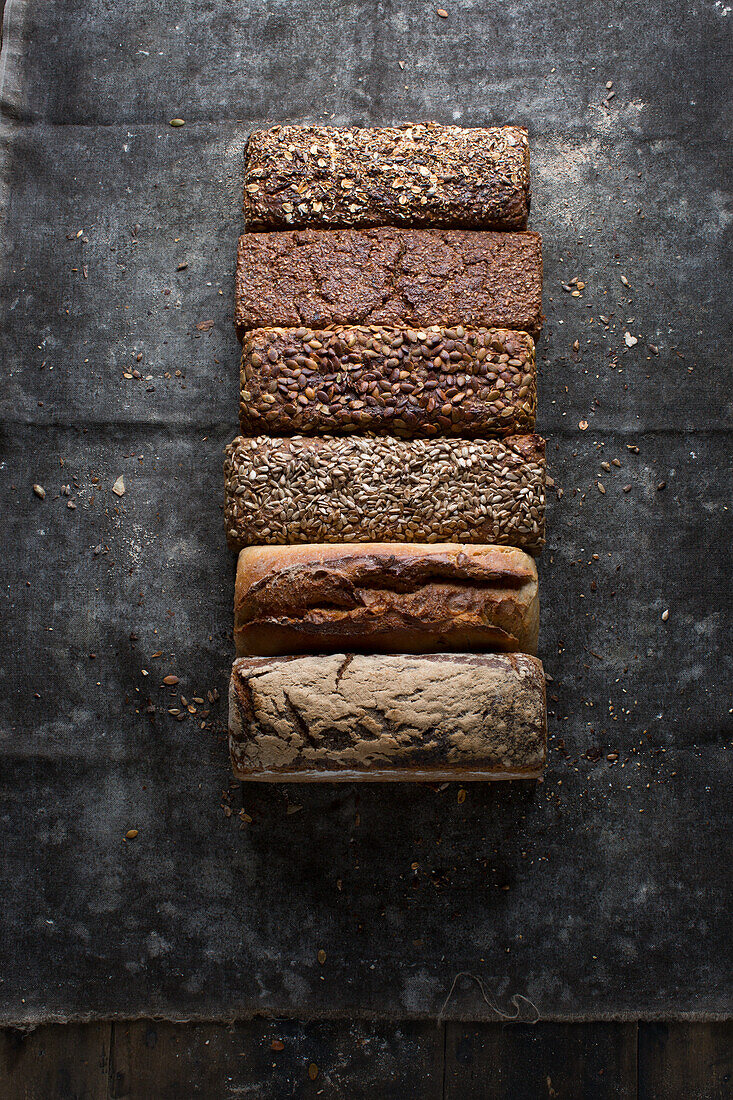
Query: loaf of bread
x=384 y=598
x=359 y=717
x=419 y=174
x=382 y=489
x=401 y=381
x=389 y=276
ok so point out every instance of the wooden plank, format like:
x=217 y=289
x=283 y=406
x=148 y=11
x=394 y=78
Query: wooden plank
x=144 y=1059
x=686 y=1061
x=328 y=1059
x=526 y=1062
x=55 y=1062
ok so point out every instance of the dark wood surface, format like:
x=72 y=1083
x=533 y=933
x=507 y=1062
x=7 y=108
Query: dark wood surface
x=678 y=1060
x=526 y=1061
x=153 y=1060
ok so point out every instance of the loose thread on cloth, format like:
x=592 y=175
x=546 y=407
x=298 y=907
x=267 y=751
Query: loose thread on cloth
x=514 y=1000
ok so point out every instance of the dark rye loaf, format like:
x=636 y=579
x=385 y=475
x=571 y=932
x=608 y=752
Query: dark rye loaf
x=388 y=276
x=358 y=717
x=422 y=174
x=382 y=489
x=384 y=598
x=400 y=381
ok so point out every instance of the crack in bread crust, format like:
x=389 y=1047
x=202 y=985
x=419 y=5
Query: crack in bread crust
x=392 y=598
x=370 y=715
x=389 y=276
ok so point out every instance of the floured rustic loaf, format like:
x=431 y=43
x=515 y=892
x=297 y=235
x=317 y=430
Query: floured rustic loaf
x=384 y=598
x=418 y=174
x=382 y=489
x=358 y=717
x=389 y=276
x=402 y=381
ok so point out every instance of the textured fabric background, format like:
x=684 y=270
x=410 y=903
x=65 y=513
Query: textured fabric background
x=598 y=893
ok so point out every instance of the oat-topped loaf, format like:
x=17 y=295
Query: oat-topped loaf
x=422 y=174
x=400 y=381
x=319 y=278
x=366 y=717
x=382 y=489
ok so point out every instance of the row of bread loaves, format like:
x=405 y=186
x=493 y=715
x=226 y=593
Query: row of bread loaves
x=387 y=492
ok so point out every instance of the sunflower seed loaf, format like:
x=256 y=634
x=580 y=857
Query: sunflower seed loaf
x=384 y=598
x=401 y=381
x=389 y=276
x=358 y=717
x=420 y=174
x=384 y=489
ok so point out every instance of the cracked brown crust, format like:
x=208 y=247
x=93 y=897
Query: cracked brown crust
x=366 y=717
x=383 y=489
x=400 y=381
x=384 y=598
x=389 y=276
x=421 y=174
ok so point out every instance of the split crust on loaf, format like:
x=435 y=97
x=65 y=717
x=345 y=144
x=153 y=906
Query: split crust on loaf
x=389 y=276
x=382 y=489
x=421 y=174
x=359 y=717
x=398 y=381
x=385 y=598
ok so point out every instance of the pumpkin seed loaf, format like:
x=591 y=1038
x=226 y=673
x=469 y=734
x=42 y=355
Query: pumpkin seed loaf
x=421 y=175
x=389 y=276
x=352 y=717
x=401 y=381
x=383 y=489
